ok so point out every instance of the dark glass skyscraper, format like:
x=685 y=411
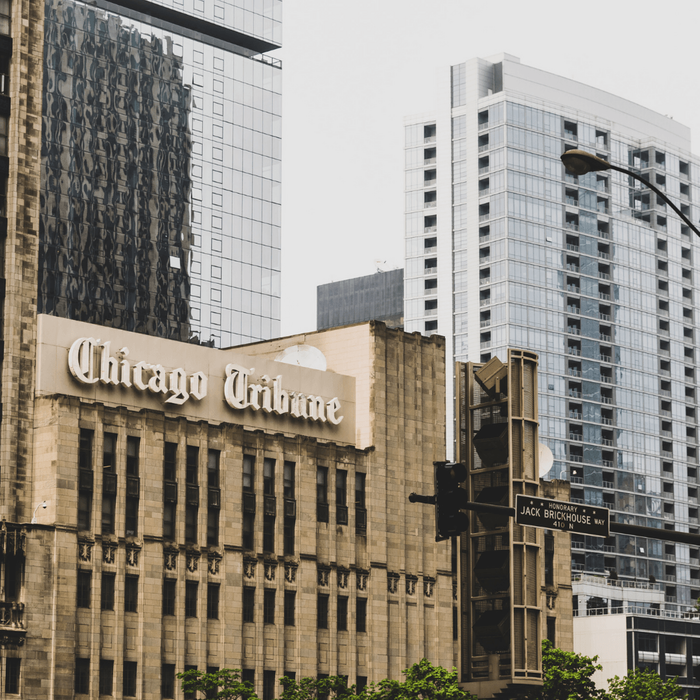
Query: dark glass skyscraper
x=160 y=168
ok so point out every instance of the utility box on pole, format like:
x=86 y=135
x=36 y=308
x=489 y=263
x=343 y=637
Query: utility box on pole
x=500 y=561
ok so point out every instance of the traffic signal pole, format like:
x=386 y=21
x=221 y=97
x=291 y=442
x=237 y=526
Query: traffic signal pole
x=651 y=533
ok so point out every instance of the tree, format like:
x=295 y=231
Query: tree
x=567 y=676
x=643 y=684
x=309 y=688
x=225 y=684
x=423 y=682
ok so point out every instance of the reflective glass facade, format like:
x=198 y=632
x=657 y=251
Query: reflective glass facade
x=594 y=273
x=160 y=177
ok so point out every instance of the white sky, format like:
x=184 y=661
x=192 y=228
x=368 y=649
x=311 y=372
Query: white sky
x=354 y=69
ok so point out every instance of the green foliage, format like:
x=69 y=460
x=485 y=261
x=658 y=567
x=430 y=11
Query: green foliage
x=567 y=676
x=643 y=684
x=225 y=684
x=332 y=687
x=423 y=682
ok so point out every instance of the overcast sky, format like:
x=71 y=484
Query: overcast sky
x=353 y=69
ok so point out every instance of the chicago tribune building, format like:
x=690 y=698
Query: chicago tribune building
x=206 y=508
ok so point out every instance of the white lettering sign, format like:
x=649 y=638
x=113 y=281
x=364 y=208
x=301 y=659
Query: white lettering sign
x=118 y=371
x=91 y=361
x=269 y=396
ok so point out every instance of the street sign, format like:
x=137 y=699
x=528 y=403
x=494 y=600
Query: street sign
x=562 y=515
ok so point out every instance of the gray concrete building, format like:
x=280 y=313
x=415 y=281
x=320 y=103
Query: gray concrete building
x=377 y=297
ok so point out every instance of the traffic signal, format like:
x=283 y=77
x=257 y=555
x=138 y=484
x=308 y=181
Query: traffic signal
x=499 y=560
x=450 y=497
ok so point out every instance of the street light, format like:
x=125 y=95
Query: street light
x=581 y=162
x=41 y=505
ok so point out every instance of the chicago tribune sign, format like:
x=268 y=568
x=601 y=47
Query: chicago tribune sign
x=91 y=361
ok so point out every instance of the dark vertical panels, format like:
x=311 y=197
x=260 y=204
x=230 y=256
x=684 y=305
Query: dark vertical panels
x=115 y=190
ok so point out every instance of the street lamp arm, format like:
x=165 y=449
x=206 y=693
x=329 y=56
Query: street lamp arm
x=581 y=162
x=659 y=192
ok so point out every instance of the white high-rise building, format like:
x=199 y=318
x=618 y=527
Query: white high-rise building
x=595 y=273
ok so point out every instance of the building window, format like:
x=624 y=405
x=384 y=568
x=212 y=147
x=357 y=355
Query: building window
x=169 y=489
x=192 y=496
x=85 y=479
x=342 y=613
x=190 y=667
x=289 y=480
x=248 y=676
x=129 y=681
x=82 y=677
x=212 y=692
x=552 y=629
x=270 y=505
x=167 y=680
x=169 y=588
x=5 y=17
x=3 y=135
x=131 y=593
x=548 y=559
x=109 y=482
x=341 y=497
x=361 y=615
x=290 y=506
x=213 y=601
x=248 y=502
x=132 y=485
x=107 y=591
x=322 y=494
x=268 y=533
x=322 y=611
x=360 y=504
x=269 y=606
x=289 y=534
x=12 y=669
x=106 y=676
x=214 y=497
x=289 y=606
x=269 y=476
x=248 y=473
x=248 y=604
x=269 y=678
x=84 y=588
x=191 y=591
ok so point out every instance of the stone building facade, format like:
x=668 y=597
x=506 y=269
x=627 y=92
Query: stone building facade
x=222 y=508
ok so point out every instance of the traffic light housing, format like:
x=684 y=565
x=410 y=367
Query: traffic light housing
x=501 y=617
x=450 y=497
